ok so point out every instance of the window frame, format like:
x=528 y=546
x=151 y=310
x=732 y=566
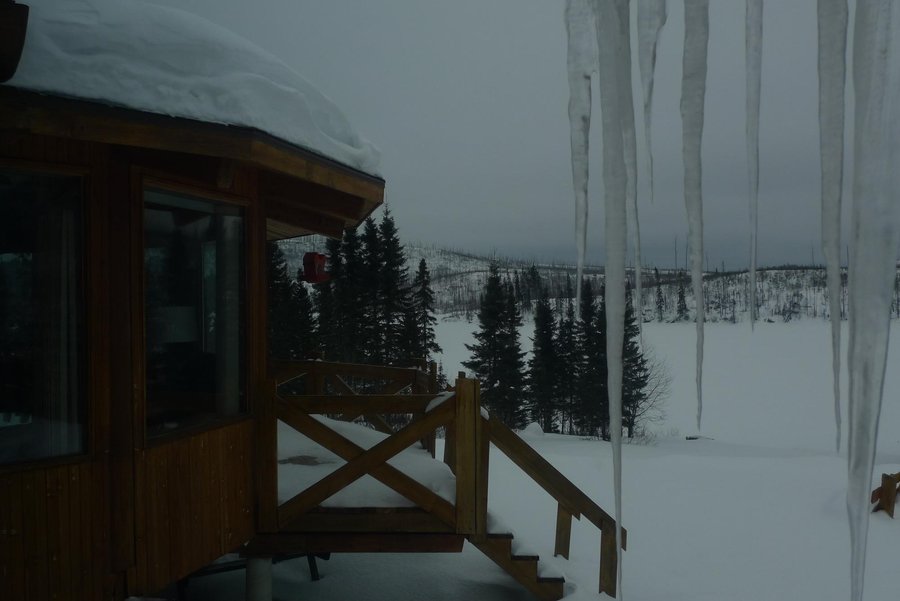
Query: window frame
x=89 y=275
x=144 y=179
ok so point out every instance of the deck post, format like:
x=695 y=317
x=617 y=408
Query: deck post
x=609 y=561
x=563 y=532
x=267 y=459
x=258 y=579
x=482 y=463
x=466 y=457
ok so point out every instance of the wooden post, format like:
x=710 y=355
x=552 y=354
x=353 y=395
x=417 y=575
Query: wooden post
x=466 y=460
x=888 y=493
x=450 y=446
x=482 y=463
x=609 y=562
x=563 y=532
x=431 y=441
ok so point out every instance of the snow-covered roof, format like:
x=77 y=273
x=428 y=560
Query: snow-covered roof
x=164 y=60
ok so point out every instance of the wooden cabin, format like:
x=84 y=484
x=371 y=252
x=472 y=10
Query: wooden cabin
x=139 y=408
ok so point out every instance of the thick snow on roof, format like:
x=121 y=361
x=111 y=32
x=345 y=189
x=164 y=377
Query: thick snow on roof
x=164 y=60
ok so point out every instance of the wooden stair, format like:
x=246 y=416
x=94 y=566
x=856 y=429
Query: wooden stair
x=524 y=568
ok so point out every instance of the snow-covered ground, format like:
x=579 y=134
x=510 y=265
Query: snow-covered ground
x=755 y=513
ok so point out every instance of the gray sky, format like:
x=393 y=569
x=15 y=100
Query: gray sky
x=467 y=100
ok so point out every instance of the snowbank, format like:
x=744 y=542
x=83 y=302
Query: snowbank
x=164 y=60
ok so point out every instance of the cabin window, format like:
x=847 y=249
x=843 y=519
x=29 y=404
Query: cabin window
x=194 y=310
x=42 y=400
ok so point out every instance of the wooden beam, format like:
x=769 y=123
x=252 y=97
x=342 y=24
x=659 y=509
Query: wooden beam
x=290 y=192
x=563 y=532
x=84 y=120
x=385 y=473
x=276 y=544
x=466 y=414
x=282 y=371
x=368 y=519
x=361 y=404
x=308 y=220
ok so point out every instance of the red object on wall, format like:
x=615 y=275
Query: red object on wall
x=314 y=268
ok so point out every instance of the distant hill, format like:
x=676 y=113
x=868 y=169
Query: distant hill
x=784 y=293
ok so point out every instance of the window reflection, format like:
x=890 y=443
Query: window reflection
x=194 y=291
x=42 y=408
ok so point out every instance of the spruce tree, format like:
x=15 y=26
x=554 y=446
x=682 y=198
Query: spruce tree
x=635 y=372
x=393 y=288
x=682 y=310
x=496 y=356
x=283 y=343
x=371 y=335
x=592 y=404
x=326 y=303
x=423 y=308
x=305 y=322
x=567 y=363
x=350 y=297
x=660 y=299
x=542 y=367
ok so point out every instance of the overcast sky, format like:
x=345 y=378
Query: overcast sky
x=467 y=101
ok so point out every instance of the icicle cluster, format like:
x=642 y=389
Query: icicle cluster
x=651 y=16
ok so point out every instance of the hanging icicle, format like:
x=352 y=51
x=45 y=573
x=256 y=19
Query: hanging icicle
x=753 y=40
x=612 y=41
x=581 y=62
x=832 y=16
x=693 y=92
x=876 y=180
x=651 y=17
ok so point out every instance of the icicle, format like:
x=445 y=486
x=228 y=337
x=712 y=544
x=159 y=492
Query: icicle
x=651 y=16
x=581 y=58
x=832 y=73
x=753 y=39
x=629 y=139
x=872 y=259
x=693 y=91
x=612 y=39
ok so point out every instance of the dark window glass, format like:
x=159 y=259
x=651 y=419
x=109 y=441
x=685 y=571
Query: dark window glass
x=194 y=308
x=42 y=406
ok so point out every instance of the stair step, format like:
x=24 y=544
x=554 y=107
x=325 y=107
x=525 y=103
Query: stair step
x=551 y=579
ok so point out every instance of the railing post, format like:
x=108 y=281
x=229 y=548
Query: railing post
x=482 y=463
x=609 y=561
x=563 y=532
x=466 y=459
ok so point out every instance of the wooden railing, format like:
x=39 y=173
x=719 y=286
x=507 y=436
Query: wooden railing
x=469 y=433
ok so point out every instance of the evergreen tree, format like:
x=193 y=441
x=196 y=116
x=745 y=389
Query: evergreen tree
x=660 y=299
x=682 y=310
x=305 y=322
x=393 y=288
x=371 y=335
x=496 y=356
x=592 y=400
x=567 y=363
x=635 y=373
x=283 y=342
x=326 y=303
x=350 y=299
x=542 y=367
x=423 y=308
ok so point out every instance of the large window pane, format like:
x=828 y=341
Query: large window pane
x=194 y=283
x=42 y=407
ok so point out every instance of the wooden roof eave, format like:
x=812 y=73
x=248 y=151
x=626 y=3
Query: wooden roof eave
x=354 y=194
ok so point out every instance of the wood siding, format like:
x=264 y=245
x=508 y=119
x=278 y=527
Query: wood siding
x=53 y=533
x=196 y=504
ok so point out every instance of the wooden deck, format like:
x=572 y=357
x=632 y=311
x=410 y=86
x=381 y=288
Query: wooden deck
x=405 y=404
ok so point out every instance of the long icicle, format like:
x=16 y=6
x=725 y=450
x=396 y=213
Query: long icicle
x=611 y=43
x=651 y=17
x=873 y=253
x=629 y=139
x=693 y=92
x=581 y=61
x=832 y=16
x=753 y=58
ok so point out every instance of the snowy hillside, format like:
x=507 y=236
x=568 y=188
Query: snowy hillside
x=457 y=277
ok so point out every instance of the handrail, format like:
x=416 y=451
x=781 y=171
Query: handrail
x=282 y=370
x=549 y=478
x=572 y=502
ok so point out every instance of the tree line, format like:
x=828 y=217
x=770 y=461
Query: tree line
x=563 y=385
x=369 y=310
